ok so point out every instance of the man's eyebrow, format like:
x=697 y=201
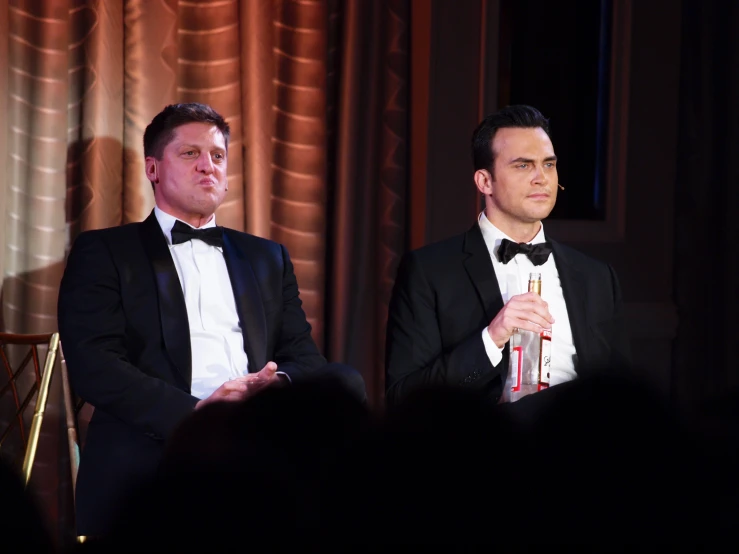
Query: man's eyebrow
x=195 y=146
x=530 y=161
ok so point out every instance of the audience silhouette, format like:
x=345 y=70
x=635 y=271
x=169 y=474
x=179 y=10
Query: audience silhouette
x=603 y=462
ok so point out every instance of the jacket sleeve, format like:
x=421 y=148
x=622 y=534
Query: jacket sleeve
x=620 y=342
x=415 y=355
x=92 y=327
x=296 y=354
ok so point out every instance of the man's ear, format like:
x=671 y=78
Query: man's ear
x=484 y=181
x=152 y=171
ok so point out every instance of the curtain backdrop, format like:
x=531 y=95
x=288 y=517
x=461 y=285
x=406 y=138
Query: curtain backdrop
x=316 y=92
x=706 y=227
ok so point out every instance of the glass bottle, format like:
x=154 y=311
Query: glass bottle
x=530 y=357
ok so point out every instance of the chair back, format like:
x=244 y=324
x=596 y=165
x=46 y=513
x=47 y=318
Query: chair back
x=73 y=405
x=23 y=378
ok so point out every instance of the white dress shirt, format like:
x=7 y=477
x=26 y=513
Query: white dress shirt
x=215 y=333
x=513 y=279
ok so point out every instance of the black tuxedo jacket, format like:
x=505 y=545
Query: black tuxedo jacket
x=125 y=335
x=446 y=293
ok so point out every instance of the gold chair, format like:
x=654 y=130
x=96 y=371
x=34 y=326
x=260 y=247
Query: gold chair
x=72 y=407
x=37 y=384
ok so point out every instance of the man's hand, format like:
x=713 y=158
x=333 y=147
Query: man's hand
x=263 y=378
x=243 y=387
x=523 y=311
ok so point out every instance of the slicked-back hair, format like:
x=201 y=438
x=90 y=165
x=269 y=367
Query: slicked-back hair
x=516 y=116
x=160 y=132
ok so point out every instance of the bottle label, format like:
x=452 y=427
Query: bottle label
x=516 y=364
x=545 y=361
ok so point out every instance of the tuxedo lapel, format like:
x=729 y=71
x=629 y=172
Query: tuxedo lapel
x=172 y=309
x=479 y=267
x=248 y=301
x=573 y=283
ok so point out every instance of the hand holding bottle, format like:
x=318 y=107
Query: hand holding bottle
x=524 y=311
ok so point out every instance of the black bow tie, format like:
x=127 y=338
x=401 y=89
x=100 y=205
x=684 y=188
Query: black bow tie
x=182 y=233
x=537 y=253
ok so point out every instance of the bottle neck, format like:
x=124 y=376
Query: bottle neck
x=535 y=286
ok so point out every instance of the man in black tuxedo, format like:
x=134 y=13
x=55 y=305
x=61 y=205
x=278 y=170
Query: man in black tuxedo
x=163 y=317
x=456 y=303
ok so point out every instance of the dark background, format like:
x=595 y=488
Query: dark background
x=556 y=56
x=667 y=220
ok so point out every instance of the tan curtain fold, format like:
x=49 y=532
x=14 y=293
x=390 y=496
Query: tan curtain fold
x=209 y=72
x=354 y=289
x=150 y=83
x=299 y=148
x=257 y=101
x=36 y=189
x=394 y=170
x=371 y=169
x=4 y=65
x=95 y=116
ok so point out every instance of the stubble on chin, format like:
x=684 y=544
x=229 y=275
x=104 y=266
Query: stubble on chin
x=205 y=205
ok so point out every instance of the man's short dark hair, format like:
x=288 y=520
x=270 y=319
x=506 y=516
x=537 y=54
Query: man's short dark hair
x=160 y=132
x=517 y=116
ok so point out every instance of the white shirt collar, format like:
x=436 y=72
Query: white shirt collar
x=166 y=222
x=493 y=236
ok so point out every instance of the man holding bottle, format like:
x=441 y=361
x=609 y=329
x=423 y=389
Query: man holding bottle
x=457 y=303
